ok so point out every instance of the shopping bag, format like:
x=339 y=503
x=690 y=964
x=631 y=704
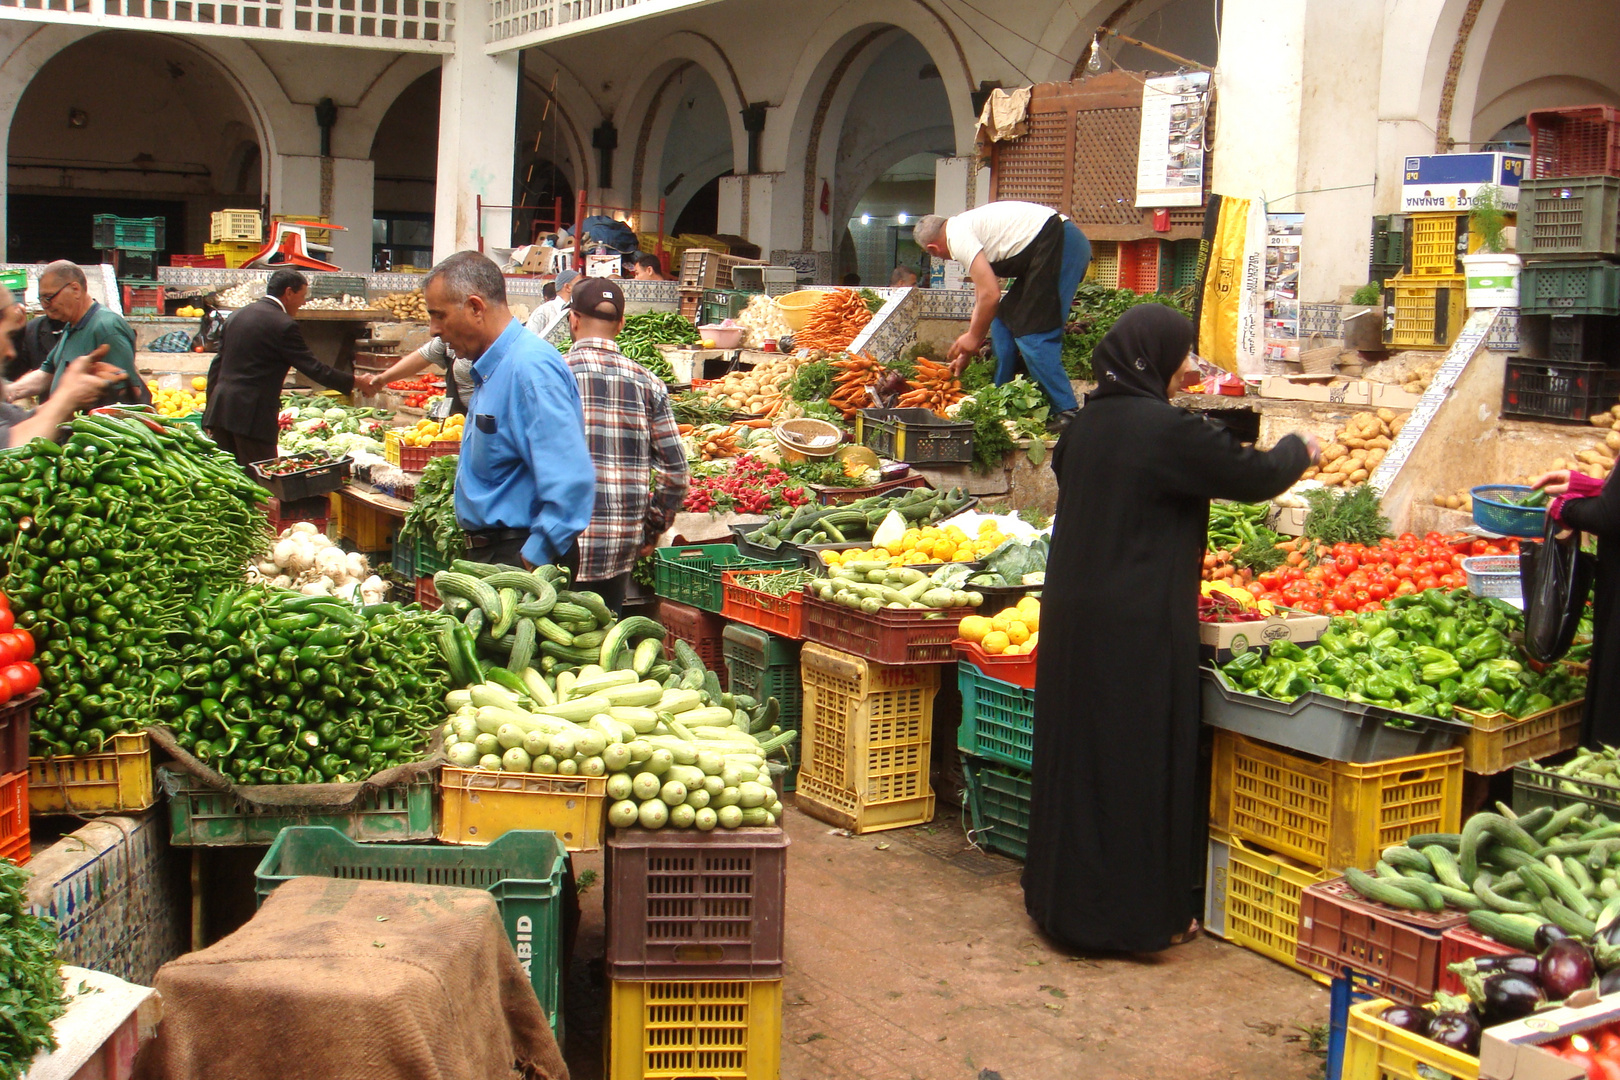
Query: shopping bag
x=1557 y=577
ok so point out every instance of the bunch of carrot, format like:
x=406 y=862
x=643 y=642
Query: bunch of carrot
x=856 y=373
x=935 y=387
x=834 y=321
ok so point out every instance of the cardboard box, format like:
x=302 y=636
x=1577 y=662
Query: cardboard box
x=1289 y=520
x=1513 y=1051
x=1450 y=182
x=1329 y=389
x=1223 y=641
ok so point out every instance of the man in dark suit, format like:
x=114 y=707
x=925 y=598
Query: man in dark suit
x=259 y=343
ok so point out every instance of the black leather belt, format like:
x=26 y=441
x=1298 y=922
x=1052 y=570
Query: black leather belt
x=491 y=537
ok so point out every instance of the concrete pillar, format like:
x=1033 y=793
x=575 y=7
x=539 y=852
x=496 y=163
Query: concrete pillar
x=759 y=208
x=959 y=184
x=1262 y=65
x=340 y=188
x=477 y=118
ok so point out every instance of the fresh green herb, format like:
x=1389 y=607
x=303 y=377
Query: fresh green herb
x=432 y=516
x=905 y=367
x=1368 y=294
x=991 y=442
x=643 y=572
x=820 y=410
x=1351 y=518
x=1489 y=220
x=697 y=408
x=1096 y=308
x=30 y=977
x=1258 y=555
x=873 y=301
x=980 y=372
x=813 y=381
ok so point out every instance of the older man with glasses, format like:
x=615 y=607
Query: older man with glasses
x=64 y=293
x=83 y=381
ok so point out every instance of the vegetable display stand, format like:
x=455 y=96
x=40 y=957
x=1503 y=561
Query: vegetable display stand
x=14 y=832
x=886 y=636
x=997 y=806
x=116 y=782
x=670 y=1030
x=1325 y=726
x=1330 y=814
x=1252 y=899
x=1375 y=1050
x=696 y=905
x=16 y=716
x=782 y=616
x=998 y=718
x=202 y=817
x=1018 y=670
x=1464 y=943
x=1398 y=950
x=480 y=807
x=1543 y=785
x=866 y=738
x=700 y=629
x=1499 y=742
x=840 y=496
x=426 y=594
x=916 y=436
x=691 y=575
x=764 y=666
x=523 y=872
x=305 y=483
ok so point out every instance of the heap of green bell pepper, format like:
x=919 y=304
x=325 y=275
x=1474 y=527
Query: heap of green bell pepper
x=1427 y=654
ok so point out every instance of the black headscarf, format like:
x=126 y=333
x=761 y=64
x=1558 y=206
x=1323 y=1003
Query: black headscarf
x=1141 y=352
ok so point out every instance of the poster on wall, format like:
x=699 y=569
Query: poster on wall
x=1284 y=233
x=1170 y=161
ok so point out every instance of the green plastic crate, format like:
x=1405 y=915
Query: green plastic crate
x=523 y=870
x=404 y=557
x=429 y=561
x=202 y=817
x=1588 y=287
x=998 y=718
x=1575 y=216
x=15 y=280
x=998 y=806
x=691 y=575
x=766 y=666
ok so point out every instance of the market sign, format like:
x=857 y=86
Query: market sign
x=1170 y=161
x=1441 y=182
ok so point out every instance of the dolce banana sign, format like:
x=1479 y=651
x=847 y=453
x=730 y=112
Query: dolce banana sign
x=1442 y=182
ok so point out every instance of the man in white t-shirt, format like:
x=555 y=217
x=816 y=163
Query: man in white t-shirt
x=548 y=312
x=1046 y=254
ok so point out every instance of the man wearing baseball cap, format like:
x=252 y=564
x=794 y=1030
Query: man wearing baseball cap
x=630 y=430
x=541 y=318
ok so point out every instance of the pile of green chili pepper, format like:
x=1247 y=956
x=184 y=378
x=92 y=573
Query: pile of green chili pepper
x=280 y=688
x=642 y=334
x=108 y=540
x=1427 y=654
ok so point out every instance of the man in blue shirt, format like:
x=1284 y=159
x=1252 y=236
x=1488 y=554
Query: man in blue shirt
x=525 y=485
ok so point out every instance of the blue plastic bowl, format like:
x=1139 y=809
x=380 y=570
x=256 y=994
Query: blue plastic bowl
x=1494 y=515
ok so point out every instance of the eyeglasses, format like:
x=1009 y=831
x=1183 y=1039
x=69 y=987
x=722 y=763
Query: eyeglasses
x=47 y=301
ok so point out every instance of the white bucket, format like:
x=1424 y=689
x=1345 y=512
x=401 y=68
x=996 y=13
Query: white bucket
x=1493 y=280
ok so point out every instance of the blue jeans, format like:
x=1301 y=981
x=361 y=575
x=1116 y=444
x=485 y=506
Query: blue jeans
x=1042 y=354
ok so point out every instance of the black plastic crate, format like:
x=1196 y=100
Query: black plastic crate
x=305 y=483
x=917 y=436
x=1558 y=390
x=1588 y=338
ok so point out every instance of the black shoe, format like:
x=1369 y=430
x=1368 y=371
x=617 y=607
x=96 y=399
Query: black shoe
x=1056 y=424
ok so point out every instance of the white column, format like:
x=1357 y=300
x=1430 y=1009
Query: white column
x=477 y=119
x=959 y=184
x=1262 y=65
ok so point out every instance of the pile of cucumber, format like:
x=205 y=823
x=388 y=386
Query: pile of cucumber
x=872 y=586
x=812 y=524
x=1512 y=873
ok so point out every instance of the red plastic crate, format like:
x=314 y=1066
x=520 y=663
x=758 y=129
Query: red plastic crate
x=316 y=511
x=1582 y=140
x=426 y=594
x=1018 y=670
x=16 y=716
x=14 y=817
x=700 y=629
x=1398 y=949
x=779 y=615
x=683 y=904
x=416 y=458
x=1465 y=943
x=1143 y=265
x=143 y=301
x=889 y=636
x=199 y=262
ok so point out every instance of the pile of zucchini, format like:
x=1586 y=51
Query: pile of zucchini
x=1511 y=872
x=872 y=586
x=813 y=524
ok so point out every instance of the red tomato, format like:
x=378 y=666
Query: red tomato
x=1346 y=562
x=24 y=643
x=1405 y=588
x=1256 y=588
x=1407 y=538
x=1313 y=606
x=1434 y=538
x=1333 y=577
x=1270 y=579
x=23 y=677
x=1345 y=599
x=1428 y=582
x=1403 y=571
x=6 y=620
x=1293 y=573
x=5 y=601
x=1378 y=590
x=1450 y=581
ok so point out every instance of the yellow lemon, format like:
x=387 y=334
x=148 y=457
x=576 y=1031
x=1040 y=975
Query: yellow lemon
x=987 y=525
x=199 y=383
x=995 y=643
x=1034 y=639
x=1001 y=622
x=1017 y=633
x=974 y=627
x=1012 y=650
x=962 y=554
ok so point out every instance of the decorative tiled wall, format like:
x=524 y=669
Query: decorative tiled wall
x=1322 y=319
x=1445 y=377
x=815 y=265
x=893 y=328
x=946 y=303
x=1504 y=335
x=661 y=293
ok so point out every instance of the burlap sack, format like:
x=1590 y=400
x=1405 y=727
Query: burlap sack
x=330 y=797
x=336 y=979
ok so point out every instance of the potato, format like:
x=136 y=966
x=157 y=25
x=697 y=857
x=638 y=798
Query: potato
x=1359 y=476
x=1601 y=419
x=1383 y=430
x=1413 y=387
x=1453 y=503
x=1386 y=415
x=1591 y=457
x=1444 y=500
x=1358 y=455
x=1310 y=473
x=1560 y=463
x=1354 y=443
x=1331 y=479
x=1380 y=443
x=1375 y=458
x=1396 y=425
x=1333 y=451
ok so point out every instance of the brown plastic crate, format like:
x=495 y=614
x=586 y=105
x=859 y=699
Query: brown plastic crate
x=426 y=594
x=1581 y=140
x=700 y=629
x=889 y=636
x=14 y=829
x=1398 y=949
x=683 y=904
x=703 y=268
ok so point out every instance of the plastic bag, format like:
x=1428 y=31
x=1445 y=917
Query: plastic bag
x=1557 y=577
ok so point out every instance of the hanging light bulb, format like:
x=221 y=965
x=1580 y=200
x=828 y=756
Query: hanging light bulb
x=1094 y=63
x=902 y=217
x=866 y=219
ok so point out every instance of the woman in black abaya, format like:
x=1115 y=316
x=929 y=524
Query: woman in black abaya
x=1116 y=839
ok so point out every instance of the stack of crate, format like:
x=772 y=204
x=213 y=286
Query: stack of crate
x=1426 y=302
x=694 y=952
x=1569 y=236
x=131 y=245
x=15 y=718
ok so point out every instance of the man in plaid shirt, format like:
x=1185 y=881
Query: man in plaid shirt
x=632 y=436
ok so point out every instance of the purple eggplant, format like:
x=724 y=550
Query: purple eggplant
x=1408 y=1018
x=1520 y=963
x=1456 y=1031
x=1610 y=934
x=1565 y=967
x=1547 y=933
x=1610 y=982
x=1509 y=996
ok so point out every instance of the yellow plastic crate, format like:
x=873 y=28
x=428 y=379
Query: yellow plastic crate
x=363 y=525
x=480 y=807
x=1434 y=244
x=1331 y=814
x=1374 y=1050
x=392 y=441
x=1104 y=268
x=108 y=783
x=1429 y=311
x=236 y=225
x=236 y=252
x=1498 y=742
x=672 y=1030
x=1252 y=899
x=867 y=734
